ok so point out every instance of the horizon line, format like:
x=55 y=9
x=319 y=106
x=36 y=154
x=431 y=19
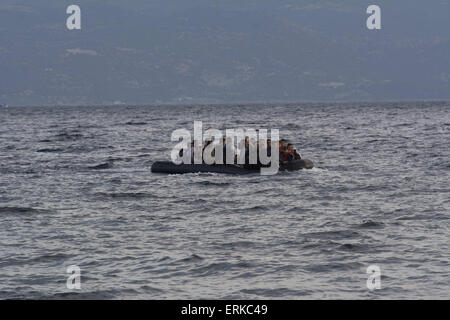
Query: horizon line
x=217 y=103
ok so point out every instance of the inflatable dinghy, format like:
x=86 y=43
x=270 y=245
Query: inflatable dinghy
x=171 y=168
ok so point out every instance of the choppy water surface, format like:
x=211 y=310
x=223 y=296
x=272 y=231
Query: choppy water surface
x=76 y=188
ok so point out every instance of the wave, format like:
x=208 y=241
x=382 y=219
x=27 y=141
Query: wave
x=50 y=150
x=211 y=183
x=354 y=247
x=192 y=258
x=132 y=123
x=276 y=292
x=370 y=224
x=21 y=211
x=102 y=166
x=337 y=234
x=219 y=267
x=69 y=136
x=127 y=195
x=315 y=169
x=332 y=267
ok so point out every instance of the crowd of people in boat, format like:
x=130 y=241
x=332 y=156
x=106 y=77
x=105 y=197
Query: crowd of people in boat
x=287 y=151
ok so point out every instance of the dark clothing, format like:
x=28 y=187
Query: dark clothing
x=224 y=153
x=290 y=155
x=283 y=154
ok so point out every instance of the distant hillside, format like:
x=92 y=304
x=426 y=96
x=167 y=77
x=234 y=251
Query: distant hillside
x=182 y=51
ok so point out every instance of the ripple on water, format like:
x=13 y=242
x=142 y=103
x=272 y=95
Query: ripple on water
x=23 y=211
x=378 y=195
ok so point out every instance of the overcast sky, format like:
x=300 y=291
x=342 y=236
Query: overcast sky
x=194 y=51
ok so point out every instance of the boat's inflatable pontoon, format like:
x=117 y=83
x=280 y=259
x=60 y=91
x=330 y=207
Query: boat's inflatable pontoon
x=171 y=168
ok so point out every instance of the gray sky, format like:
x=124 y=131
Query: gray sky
x=190 y=51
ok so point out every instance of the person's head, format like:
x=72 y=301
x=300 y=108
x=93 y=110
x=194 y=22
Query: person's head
x=269 y=143
x=290 y=147
x=283 y=143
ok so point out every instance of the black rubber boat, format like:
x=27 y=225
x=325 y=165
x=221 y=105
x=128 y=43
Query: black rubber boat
x=171 y=168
